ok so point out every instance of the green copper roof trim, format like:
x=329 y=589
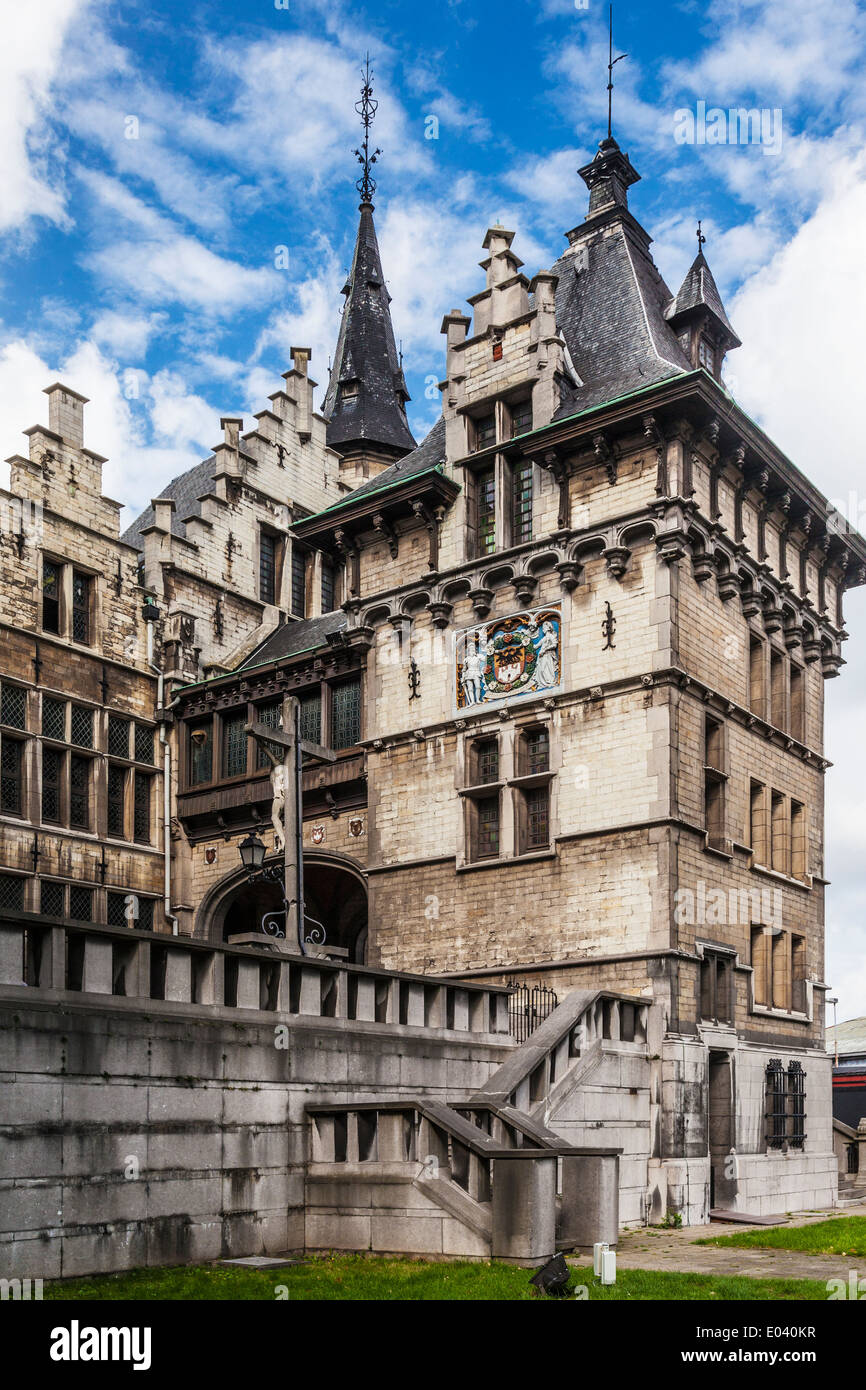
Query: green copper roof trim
x=374 y=492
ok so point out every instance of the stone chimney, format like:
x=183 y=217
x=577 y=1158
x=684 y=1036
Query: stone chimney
x=66 y=413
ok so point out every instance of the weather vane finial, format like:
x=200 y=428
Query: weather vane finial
x=611 y=61
x=366 y=109
x=701 y=239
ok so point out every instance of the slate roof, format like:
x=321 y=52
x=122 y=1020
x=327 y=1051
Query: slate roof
x=610 y=307
x=698 y=291
x=366 y=356
x=429 y=454
x=186 y=490
x=291 y=638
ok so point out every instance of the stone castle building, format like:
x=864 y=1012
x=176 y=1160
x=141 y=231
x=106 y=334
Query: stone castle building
x=568 y=653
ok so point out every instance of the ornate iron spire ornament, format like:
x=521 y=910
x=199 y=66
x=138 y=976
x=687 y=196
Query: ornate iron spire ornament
x=611 y=61
x=366 y=109
x=702 y=241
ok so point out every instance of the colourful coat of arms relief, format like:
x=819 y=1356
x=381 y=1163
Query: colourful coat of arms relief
x=521 y=655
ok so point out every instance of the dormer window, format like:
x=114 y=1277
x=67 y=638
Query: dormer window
x=349 y=393
x=706 y=355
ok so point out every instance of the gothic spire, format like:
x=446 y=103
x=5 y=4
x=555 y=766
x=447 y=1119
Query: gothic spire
x=365 y=404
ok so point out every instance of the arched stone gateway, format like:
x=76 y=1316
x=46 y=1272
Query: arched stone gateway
x=335 y=895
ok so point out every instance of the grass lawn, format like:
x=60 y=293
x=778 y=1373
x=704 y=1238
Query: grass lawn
x=355 y=1278
x=842 y=1235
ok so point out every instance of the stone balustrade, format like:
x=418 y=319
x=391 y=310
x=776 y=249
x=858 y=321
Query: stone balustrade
x=113 y=963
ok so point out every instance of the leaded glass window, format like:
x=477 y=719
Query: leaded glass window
x=345 y=714
x=52 y=773
x=487 y=845
x=521 y=418
x=118 y=737
x=521 y=503
x=11 y=759
x=82 y=586
x=53 y=718
x=52 y=898
x=80 y=903
x=143 y=744
x=116 y=801
x=299 y=582
x=11 y=893
x=200 y=753
x=485 y=484
x=81 y=727
x=536 y=749
x=485 y=431
x=234 y=744
x=79 y=793
x=116 y=909
x=141 y=808
x=311 y=716
x=486 y=761
x=145 y=914
x=327 y=587
x=51 y=574
x=537 y=818
x=267 y=567
x=270 y=714
x=13 y=706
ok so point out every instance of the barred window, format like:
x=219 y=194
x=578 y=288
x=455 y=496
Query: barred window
x=311 y=716
x=299 y=582
x=82 y=587
x=51 y=574
x=141 y=808
x=13 y=706
x=143 y=744
x=537 y=818
x=116 y=801
x=234 y=744
x=200 y=753
x=785 y=1094
x=118 y=736
x=11 y=893
x=52 y=774
x=270 y=714
x=485 y=485
x=521 y=503
x=345 y=714
x=53 y=718
x=79 y=793
x=11 y=764
x=487 y=841
x=327 y=587
x=81 y=727
x=52 y=897
x=80 y=903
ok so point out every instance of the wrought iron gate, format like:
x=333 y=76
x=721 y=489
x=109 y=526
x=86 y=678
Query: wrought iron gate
x=528 y=1006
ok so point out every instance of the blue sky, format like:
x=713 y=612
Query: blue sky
x=142 y=270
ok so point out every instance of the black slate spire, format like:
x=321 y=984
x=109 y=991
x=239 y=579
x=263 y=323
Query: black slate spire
x=365 y=404
x=698 y=295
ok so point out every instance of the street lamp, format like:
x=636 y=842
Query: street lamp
x=834 y=1002
x=252 y=852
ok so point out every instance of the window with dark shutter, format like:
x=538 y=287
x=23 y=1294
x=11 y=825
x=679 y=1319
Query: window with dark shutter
x=116 y=801
x=79 y=793
x=52 y=773
x=141 y=808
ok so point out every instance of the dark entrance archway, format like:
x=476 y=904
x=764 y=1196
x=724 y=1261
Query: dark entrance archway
x=335 y=895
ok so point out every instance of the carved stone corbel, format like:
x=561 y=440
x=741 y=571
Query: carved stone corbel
x=569 y=575
x=482 y=601
x=616 y=558
x=440 y=613
x=386 y=530
x=606 y=455
x=525 y=586
x=653 y=433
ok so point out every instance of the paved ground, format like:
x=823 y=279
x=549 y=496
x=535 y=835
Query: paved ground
x=676 y=1250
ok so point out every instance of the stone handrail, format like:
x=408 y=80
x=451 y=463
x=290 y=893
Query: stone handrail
x=569 y=1037
x=52 y=956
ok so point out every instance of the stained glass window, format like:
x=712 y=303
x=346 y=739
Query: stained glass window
x=485 y=483
x=536 y=744
x=488 y=828
x=487 y=761
x=537 y=818
x=521 y=418
x=485 y=431
x=521 y=503
x=234 y=745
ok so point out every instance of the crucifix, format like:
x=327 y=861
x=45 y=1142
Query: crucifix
x=611 y=62
x=287 y=808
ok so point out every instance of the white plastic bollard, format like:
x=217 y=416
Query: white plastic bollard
x=597 y=1252
x=608 y=1266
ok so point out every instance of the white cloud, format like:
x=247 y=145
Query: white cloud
x=127 y=335
x=30 y=56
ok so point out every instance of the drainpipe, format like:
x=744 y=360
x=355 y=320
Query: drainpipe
x=150 y=612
